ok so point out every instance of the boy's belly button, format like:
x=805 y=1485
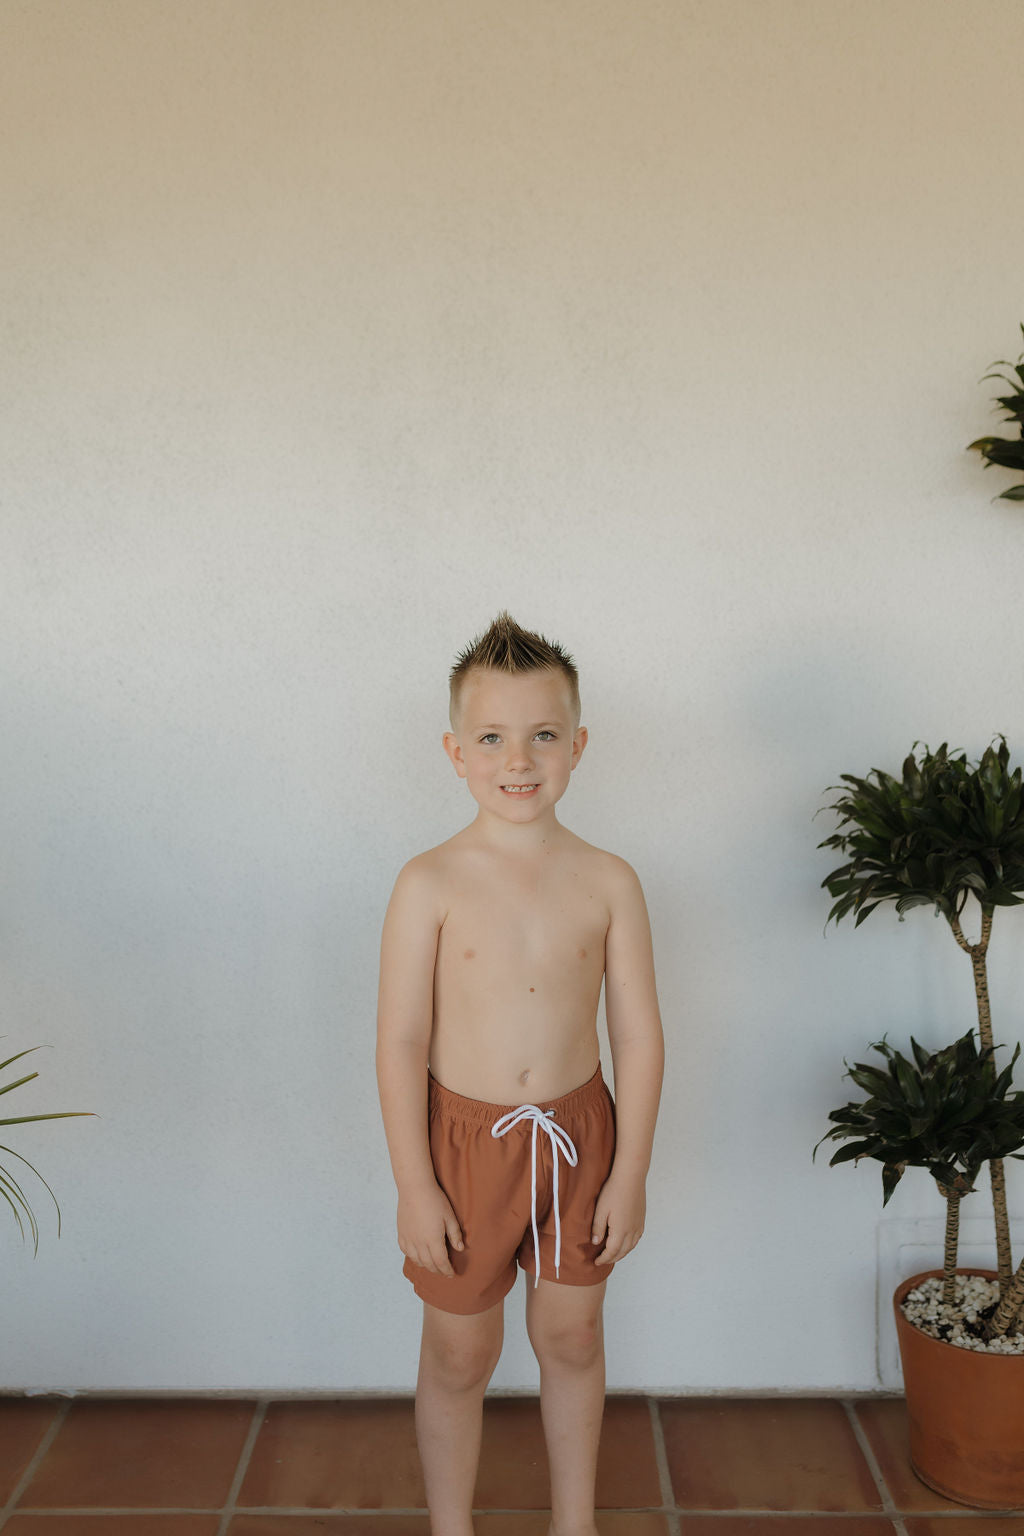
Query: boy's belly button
x=524 y=1075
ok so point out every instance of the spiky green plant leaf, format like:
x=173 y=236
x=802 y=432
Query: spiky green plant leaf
x=948 y=1111
x=945 y=829
x=1007 y=452
x=10 y=1189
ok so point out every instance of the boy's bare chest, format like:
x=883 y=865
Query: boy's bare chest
x=526 y=920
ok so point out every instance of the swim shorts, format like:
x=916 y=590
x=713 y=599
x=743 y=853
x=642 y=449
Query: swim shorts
x=500 y=1166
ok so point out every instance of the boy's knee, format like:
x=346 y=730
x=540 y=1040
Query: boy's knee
x=460 y=1364
x=578 y=1343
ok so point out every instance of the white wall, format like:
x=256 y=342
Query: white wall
x=331 y=328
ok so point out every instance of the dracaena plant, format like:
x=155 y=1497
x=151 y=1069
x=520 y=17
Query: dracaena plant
x=949 y=1111
x=944 y=833
x=1008 y=452
x=9 y=1186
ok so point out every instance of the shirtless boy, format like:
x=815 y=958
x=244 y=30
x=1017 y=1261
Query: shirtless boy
x=494 y=948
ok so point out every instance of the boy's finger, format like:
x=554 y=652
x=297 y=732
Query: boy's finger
x=607 y=1254
x=425 y=1259
x=611 y=1251
x=454 y=1232
x=442 y=1263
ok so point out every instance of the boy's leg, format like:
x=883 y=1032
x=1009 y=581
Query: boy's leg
x=457 y=1358
x=566 y=1330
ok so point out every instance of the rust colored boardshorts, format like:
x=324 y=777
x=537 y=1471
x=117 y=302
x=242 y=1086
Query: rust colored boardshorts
x=498 y=1165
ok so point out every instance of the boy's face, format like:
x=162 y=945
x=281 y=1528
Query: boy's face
x=515 y=741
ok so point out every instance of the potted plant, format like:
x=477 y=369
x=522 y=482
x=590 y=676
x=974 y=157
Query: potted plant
x=9 y=1187
x=945 y=833
x=1007 y=451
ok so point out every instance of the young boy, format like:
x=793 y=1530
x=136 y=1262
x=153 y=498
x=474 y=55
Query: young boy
x=504 y=1142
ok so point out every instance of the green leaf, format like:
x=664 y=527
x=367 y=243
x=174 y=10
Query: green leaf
x=62 y=1114
x=869 y=1078
x=20 y=1054
x=7 y=1087
x=908 y=1080
x=920 y=1054
x=852 y=1152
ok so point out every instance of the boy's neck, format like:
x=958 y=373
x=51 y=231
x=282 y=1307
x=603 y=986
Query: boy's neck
x=508 y=837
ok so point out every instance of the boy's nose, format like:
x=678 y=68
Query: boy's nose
x=518 y=759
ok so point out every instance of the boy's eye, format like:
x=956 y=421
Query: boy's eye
x=546 y=735
x=491 y=736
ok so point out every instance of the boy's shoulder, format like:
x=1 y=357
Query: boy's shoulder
x=431 y=861
x=426 y=873
x=605 y=863
x=610 y=876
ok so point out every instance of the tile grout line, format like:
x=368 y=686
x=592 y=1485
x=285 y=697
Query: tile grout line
x=45 y=1511
x=259 y=1413
x=668 y=1498
x=315 y=1511
x=30 y=1471
x=889 y=1504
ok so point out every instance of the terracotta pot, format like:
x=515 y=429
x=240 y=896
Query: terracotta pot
x=966 y=1413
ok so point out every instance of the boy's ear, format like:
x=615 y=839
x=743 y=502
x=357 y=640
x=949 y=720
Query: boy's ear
x=579 y=741
x=451 y=745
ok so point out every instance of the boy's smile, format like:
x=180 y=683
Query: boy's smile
x=515 y=741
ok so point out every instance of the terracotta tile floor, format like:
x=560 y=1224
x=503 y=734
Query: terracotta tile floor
x=302 y=1467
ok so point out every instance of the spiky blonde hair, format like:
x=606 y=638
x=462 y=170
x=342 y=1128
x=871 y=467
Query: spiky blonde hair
x=507 y=647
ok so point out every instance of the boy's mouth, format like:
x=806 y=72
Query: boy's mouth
x=519 y=789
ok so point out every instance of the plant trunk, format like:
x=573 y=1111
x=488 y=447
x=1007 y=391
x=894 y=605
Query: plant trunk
x=978 y=953
x=1003 y=1255
x=1010 y=1303
x=952 y=1239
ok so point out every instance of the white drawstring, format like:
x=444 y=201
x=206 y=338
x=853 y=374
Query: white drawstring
x=561 y=1141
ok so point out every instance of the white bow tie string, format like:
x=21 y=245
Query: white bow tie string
x=561 y=1142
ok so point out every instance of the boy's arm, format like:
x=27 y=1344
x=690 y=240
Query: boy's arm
x=404 y=1023
x=638 y=1056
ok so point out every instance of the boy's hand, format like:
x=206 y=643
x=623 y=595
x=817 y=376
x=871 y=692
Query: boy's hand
x=424 y=1221
x=620 y=1212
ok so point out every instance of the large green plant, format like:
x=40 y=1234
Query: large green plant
x=949 y=1111
x=943 y=832
x=1008 y=452
x=9 y=1186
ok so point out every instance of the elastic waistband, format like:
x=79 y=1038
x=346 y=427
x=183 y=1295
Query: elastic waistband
x=455 y=1106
